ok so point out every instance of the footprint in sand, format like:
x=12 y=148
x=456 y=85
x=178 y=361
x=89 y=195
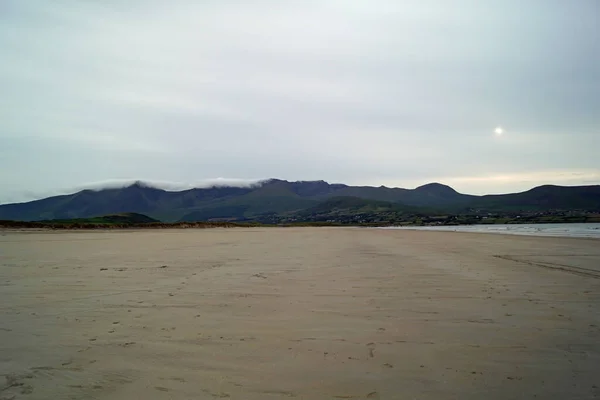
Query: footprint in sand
x=371 y=347
x=15 y=385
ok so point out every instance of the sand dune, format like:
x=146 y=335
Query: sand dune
x=298 y=313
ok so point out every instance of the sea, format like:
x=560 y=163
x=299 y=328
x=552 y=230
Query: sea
x=584 y=230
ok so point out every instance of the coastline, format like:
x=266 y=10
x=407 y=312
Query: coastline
x=565 y=230
x=561 y=230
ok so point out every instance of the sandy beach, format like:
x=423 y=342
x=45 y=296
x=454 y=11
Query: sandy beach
x=307 y=313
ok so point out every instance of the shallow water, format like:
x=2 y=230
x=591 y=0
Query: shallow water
x=585 y=230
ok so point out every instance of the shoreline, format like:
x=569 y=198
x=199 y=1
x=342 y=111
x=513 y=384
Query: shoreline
x=571 y=230
x=541 y=230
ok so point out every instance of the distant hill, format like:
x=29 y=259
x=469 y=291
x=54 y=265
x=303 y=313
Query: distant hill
x=356 y=205
x=115 y=221
x=547 y=197
x=277 y=197
x=354 y=210
x=119 y=219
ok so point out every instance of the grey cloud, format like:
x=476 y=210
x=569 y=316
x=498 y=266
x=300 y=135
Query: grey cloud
x=170 y=186
x=383 y=92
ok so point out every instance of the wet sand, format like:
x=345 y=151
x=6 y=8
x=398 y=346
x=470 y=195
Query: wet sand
x=298 y=313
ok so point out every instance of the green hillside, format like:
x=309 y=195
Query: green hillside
x=548 y=197
x=119 y=219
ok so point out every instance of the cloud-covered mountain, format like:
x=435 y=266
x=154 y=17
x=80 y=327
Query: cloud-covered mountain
x=235 y=201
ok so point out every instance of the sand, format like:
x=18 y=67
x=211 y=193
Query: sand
x=307 y=313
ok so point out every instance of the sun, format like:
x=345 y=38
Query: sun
x=498 y=131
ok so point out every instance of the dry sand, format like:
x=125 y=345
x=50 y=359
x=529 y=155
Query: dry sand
x=298 y=313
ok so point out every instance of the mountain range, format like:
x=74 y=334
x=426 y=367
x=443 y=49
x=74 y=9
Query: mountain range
x=275 y=198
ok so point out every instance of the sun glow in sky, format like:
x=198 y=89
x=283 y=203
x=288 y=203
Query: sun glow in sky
x=188 y=91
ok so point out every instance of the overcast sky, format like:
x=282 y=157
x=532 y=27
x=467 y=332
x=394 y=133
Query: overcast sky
x=382 y=92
